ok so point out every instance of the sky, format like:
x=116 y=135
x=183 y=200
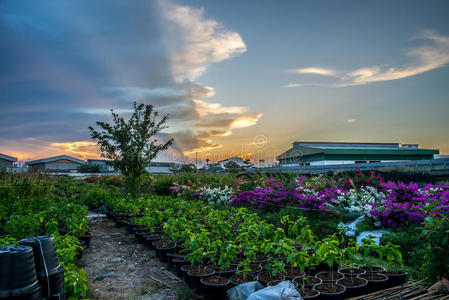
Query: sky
x=238 y=78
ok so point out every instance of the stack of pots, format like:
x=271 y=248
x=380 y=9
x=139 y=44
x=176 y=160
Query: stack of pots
x=18 y=279
x=50 y=273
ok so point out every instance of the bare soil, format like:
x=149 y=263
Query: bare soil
x=120 y=268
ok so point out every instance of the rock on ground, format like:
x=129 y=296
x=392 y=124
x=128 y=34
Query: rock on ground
x=120 y=268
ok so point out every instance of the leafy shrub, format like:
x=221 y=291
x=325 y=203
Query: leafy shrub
x=436 y=255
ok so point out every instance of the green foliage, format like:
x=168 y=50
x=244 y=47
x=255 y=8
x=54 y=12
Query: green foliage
x=185 y=293
x=131 y=144
x=436 y=241
x=89 y=168
x=233 y=167
x=185 y=168
x=34 y=204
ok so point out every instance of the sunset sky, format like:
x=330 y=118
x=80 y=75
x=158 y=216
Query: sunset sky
x=237 y=77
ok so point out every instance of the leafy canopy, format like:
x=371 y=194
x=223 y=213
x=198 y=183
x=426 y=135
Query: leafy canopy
x=131 y=144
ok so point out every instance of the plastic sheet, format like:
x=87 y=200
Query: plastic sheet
x=351 y=228
x=244 y=290
x=253 y=290
x=375 y=236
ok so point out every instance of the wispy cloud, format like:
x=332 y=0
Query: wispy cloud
x=425 y=58
x=317 y=71
x=350 y=121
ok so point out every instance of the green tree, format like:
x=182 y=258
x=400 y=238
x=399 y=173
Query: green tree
x=185 y=168
x=131 y=144
x=233 y=167
x=89 y=168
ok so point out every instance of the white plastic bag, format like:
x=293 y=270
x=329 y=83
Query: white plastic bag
x=244 y=290
x=284 y=290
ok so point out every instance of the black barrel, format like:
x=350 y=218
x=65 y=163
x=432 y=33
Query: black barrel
x=49 y=272
x=18 y=274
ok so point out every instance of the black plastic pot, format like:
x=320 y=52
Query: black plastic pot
x=50 y=273
x=299 y=281
x=215 y=291
x=184 y=270
x=85 y=239
x=354 y=290
x=195 y=278
x=130 y=227
x=315 y=296
x=375 y=285
x=161 y=252
x=349 y=272
x=264 y=282
x=227 y=273
x=140 y=236
x=334 y=296
x=18 y=279
x=395 y=279
x=249 y=277
x=372 y=269
x=170 y=256
x=289 y=277
x=320 y=276
x=150 y=238
x=179 y=262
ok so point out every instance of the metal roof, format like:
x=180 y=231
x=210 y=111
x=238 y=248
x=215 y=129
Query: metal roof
x=53 y=158
x=7 y=157
x=298 y=151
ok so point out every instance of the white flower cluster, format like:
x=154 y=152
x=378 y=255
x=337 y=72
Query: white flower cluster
x=216 y=196
x=359 y=201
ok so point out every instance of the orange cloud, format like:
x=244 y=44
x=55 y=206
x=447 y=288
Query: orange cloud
x=81 y=149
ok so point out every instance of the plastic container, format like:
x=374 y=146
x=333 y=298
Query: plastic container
x=18 y=278
x=50 y=273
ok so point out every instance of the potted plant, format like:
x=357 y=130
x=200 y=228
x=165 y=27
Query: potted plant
x=328 y=251
x=198 y=245
x=376 y=280
x=355 y=285
x=395 y=266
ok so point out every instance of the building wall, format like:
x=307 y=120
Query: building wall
x=62 y=165
x=5 y=164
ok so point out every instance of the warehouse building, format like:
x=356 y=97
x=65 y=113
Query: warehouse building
x=335 y=153
x=6 y=161
x=61 y=163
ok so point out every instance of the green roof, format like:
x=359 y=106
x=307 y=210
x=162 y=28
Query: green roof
x=309 y=153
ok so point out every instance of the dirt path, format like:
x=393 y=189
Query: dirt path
x=120 y=268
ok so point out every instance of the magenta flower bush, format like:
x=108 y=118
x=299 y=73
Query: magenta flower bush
x=392 y=203
x=409 y=204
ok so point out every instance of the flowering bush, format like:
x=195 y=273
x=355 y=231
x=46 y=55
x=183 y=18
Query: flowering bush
x=389 y=203
x=359 y=201
x=408 y=203
x=217 y=196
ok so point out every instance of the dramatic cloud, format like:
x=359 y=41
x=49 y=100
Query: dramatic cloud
x=205 y=41
x=80 y=149
x=64 y=65
x=425 y=58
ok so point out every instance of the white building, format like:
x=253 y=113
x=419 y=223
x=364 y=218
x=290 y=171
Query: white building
x=61 y=163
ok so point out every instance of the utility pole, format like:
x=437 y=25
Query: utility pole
x=196 y=160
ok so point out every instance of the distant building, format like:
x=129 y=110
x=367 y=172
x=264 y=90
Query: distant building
x=61 y=163
x=161 y=167
x=101 y=163
x=6 y=161
x=237 y=160
x=334 y=153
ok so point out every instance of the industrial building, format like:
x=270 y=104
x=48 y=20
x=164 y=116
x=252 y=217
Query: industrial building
x=335 y=153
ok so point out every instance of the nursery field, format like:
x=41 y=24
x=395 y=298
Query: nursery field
x=219 y=231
